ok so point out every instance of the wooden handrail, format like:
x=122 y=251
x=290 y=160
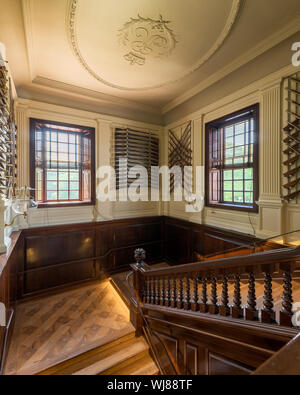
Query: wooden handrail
x=178 y=286
x=285 y=361
x=259 y=258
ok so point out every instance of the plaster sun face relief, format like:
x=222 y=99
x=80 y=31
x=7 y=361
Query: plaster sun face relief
x=146 y=38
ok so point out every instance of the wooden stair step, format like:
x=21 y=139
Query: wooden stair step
x=72 y=365
x=129 y=352
x=141 y=365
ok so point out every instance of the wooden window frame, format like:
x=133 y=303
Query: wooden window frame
x=221 y=123
x=69 y=203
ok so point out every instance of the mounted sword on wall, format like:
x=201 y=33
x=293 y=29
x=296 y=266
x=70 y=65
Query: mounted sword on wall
x=180 y=152
x=291 y=138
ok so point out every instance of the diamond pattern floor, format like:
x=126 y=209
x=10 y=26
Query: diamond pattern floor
x=52 y=329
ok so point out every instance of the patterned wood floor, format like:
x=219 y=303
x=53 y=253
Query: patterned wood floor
x=53 y=329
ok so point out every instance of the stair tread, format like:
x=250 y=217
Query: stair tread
x=131 y=349
x=149 y=369
x=89 y=357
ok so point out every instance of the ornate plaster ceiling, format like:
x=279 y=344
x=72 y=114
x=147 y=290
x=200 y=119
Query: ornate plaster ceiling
x=142 y=59
x=143 y=45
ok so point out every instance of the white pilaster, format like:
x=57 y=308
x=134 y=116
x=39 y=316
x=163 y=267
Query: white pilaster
x=270 y=202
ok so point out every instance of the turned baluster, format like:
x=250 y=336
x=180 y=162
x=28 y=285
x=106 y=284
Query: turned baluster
x=224 y=307
x=168 y=293
x=152 y=290
x=203 y=304
x=286 y=313
x=268 y=313
x=157 y=291
x=187 y=294
x=236 y=310
x=180 y=294
x=213 y=307
x=145 y=290
x=162 y=292
x=174 y=293
x=194 y=301
x=251 y=312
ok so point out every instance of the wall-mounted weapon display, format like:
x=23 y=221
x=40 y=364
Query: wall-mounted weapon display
x=180 y=151
x=8 y=137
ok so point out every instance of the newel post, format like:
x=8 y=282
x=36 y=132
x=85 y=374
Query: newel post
x=139 y=289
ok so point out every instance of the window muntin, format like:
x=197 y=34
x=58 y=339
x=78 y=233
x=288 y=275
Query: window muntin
x=232 y=160
x=62 y=163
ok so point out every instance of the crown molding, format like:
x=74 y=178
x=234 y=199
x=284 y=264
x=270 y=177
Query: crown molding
x=239 y=98
x=84 y=93
x=265 y=45
x=33 y=106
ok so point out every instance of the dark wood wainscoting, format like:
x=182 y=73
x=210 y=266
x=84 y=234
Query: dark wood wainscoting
x=202 y=345
x=51 y=258
x=185 y=241
x=57 y=256
x=8 y=289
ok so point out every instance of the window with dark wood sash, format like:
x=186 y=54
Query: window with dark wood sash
x=232 y=160
x=140 y=149
x=62 y=163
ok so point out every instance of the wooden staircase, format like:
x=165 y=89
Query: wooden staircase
x=127 y=355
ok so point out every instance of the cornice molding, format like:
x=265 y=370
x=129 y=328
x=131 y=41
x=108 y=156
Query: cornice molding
x=71 y=26
x=250 y=93
x=94 y=95
x=259 y=49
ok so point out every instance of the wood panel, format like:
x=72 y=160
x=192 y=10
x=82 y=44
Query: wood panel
x=64 y=255
x=206 y=346
x=57 y=256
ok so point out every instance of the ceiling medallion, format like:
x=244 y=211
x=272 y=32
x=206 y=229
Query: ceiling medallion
x=71 y=25
x=146 y=38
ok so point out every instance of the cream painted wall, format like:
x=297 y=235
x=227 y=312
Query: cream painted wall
x=104 y=126
x=275 y=216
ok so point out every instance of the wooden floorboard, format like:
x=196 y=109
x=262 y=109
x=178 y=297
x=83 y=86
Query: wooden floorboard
x=51 y=330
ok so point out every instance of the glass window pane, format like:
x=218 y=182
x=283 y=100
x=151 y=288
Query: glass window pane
x=249 y=174
x=229 y=153
x=248 y=197
x=238 y=197
x=239 y=151
x=238 y=174
x=240 y=128
x=229 y=142
x=240 y=139
x=249 y=185
x=74 y=175
x=51 y=185
x=227 y=185
x=63 y=195
x=229 y=131
x=63 y=176
x=227 y=196
x=74 y=195
x=238 y=161
x=51 y=195
x=51 y=175
x=238 y=186
x=63 y=185
x=228 y=175
x=74 y=185
x=63 y=137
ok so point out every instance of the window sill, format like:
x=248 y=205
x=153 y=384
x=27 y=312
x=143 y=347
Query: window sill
x=65 y=204
x=234 y=207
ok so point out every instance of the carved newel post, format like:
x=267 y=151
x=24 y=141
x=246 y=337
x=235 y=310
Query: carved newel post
x=139 y=256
